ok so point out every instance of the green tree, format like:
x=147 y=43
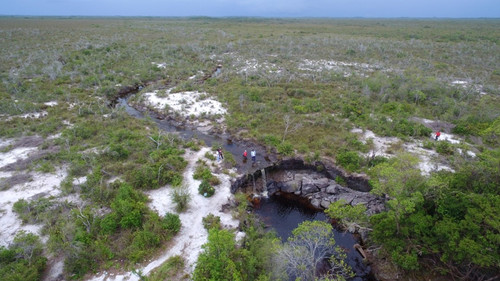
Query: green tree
x=311 y=243
x=350 y=217
x=401 y=182
x=216 y=260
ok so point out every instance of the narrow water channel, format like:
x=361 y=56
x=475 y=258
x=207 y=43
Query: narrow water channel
x=279 y=213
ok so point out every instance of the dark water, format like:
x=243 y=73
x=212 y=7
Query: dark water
x=279 y=213
x=284 y=215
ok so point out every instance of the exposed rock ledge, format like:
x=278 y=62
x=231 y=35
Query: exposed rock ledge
x=315 y=182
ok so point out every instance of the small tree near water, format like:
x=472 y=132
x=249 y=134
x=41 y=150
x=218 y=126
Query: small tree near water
x=311 y=245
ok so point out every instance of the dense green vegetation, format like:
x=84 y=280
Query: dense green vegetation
x=447 y=223
x=23 y=260
x=296 y=86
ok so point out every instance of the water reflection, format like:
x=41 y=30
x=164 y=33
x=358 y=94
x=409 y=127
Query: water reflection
x=285 y=214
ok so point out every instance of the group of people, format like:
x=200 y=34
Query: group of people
x=253 y=155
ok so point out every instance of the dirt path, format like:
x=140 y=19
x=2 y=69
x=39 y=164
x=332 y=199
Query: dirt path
x=192 y=235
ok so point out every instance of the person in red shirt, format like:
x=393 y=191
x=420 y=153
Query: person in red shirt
x=437 y=135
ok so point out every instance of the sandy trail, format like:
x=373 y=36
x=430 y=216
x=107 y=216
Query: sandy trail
x=187 y=243
x=46 y=184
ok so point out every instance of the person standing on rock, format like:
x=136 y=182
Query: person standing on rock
x=245 y=156
x=220 y=153
x=438 y=133
x=253 y=154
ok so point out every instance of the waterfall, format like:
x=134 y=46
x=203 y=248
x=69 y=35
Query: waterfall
x=253 y=181
x=264 y=182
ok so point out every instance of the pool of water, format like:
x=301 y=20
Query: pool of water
x=284 y=215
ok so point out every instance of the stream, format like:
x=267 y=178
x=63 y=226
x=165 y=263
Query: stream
x=280 y=213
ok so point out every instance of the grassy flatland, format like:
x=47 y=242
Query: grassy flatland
x=300 y=86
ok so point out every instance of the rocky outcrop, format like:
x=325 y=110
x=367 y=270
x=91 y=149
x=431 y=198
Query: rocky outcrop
x=322 y=191
x=314 y=182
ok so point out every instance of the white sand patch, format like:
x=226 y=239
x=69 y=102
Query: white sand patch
x=6 y=142
x=468 y=85
x=380 y=144
x=55 y=270
x=470 y=153
x=15 y=155
x=160 y=65
x=45 y=185
x=429 y=159
x=53 y=137
x=50 y=103
x=186 y=103
x=467 y=153
x=449 y=138
x=67 y=123
x=459 y=82
x=337 y=66
x=192 y=235
x=34 y=115
x=253 y=65
x=31 y=115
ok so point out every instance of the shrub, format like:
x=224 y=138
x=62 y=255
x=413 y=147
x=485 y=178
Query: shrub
x=229 y=160
x=171 y=222
x=271 y=140
x=109 y=224
x=444 y=147
x=118 y=152
x=210 y=156
x=285 y=148
x=169 y=270
x=211 y=221
x=340 y=180
x=203 y=172
x=23 y=259
x=206 y=189
x=180 y=197
x=350 y=160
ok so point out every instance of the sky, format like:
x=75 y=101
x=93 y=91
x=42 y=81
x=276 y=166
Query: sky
x=257 y=8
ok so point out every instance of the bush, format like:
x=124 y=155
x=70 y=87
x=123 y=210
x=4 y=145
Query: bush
x=171 y=222
x=169 y=270
x=210 y=156
x=444 y=147
x=109 y=224
x=349 y=160
x=285 y=148
x=206 y=189
x=118 y=152
x=23 y=259
x=211 y=221
x=180 y=197
x=203 y=172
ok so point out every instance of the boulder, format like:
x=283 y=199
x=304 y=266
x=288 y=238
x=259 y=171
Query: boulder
x=325 y=203
x=290 y=186
x=332 y=188
x=271 y=187
x=309 y=188
x=348 y=197
x=360 y=199
x=316 y=203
